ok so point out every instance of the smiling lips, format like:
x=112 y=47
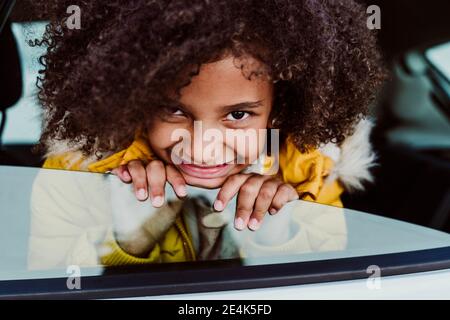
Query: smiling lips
x=203 y=171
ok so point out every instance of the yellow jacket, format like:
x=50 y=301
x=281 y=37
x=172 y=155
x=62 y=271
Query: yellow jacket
x=307 y=172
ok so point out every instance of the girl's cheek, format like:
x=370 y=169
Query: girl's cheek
x=247 y=149
x=162 y=128
x=160 y=136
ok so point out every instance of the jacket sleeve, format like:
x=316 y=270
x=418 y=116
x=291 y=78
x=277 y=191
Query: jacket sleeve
x=309 y=174
x=322 y=175
x=113 y=255
x=71 y=223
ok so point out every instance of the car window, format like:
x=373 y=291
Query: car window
x=64 y=219
x=438 y=56
x=24 y=121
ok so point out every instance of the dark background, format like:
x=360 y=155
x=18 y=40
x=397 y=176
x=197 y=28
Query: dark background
x=410 y=185
x=407 y=24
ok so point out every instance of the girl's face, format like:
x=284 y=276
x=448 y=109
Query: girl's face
x=220 y=98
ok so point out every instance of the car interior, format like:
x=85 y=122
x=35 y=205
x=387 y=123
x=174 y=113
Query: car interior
x=412 y=178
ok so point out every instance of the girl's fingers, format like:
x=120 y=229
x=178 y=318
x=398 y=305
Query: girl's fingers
x=156 y=175
x=175 y=178
x=246 y=201
x=139 y=177
x=285 y=194
x=122 y=173
x=228 y=190
x=263 y=202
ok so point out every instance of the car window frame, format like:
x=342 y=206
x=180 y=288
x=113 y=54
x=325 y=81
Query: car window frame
x=223 y=275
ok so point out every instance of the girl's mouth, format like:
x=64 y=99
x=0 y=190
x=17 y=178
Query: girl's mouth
x=205 y=171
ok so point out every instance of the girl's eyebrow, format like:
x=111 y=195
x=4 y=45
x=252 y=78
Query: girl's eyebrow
x=242 y=105
x=228 y=108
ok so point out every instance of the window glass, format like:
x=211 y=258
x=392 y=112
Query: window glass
x=52 y=219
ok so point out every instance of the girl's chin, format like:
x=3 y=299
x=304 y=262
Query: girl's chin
x=210 y=183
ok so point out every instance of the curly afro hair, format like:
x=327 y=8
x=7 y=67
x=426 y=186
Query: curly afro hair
x=114 y=71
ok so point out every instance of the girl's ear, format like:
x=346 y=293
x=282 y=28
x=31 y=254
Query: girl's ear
x=271 y=122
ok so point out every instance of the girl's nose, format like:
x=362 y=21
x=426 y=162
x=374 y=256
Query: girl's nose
x=208 y=146
x=210 y=149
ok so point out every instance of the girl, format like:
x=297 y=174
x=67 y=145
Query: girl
x=115 y=90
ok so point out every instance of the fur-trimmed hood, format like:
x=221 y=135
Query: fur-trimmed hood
x=353 y=158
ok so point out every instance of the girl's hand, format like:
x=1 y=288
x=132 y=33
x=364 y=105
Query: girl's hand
x=257 y=194
x=151 y=180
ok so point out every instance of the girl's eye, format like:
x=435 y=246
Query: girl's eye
x=177 y=112
x=237 y=115
x=173 y=114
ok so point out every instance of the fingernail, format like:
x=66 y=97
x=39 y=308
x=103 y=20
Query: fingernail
x=273 y=211
x=253 y=224
x=157 y=201
x=218 y=205
x=141 y=194
x=181 y=191
x=239 y=224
